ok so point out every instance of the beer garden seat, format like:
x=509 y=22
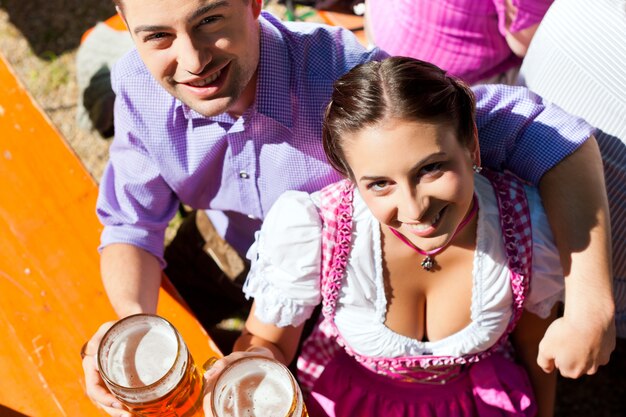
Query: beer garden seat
x=51 y=296
x=351 y=22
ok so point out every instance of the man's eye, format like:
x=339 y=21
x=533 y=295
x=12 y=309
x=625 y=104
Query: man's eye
x=155 y=36
x=208 y=20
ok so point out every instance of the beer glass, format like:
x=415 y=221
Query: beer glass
x=145 y=363
x=257 y=386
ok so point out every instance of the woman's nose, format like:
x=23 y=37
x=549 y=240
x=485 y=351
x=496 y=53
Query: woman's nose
x=411 y=205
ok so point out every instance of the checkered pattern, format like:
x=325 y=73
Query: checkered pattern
x=165 y=153
x=325 y=341
x=336 y=214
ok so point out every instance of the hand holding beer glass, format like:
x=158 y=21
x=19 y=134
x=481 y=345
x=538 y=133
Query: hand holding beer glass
x=146 y=365
x=245 y=384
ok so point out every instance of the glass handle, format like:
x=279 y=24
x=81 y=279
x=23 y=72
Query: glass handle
x=208 y=364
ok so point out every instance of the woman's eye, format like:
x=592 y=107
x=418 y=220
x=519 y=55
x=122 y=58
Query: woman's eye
x=431 y=168
x=377 y=186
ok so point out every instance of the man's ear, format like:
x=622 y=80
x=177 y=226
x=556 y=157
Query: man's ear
x=257 y=6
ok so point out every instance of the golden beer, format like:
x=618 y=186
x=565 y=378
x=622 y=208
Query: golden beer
x=145 y=363
x=256 y=386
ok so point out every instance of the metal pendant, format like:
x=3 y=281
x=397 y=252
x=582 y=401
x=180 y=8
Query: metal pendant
x=428 y=263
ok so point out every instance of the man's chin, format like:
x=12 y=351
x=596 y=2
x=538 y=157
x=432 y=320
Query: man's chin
x=210 y=108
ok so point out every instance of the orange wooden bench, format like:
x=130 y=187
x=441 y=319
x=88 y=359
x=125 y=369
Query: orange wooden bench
x=115 y=22
x=351 y=22
x=51 y=296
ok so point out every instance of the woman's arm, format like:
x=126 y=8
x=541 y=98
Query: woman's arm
x=258 y=338
x=525 y=338
x=281 y=341
x=575 y=201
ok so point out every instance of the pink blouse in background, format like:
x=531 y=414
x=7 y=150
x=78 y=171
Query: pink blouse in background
x=464 y=37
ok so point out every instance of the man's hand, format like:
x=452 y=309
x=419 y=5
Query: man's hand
x=577 y=346
x=574 y=196
x=94 y=385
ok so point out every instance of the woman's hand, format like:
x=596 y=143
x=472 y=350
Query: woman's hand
x=211 y=375
x=94 y=385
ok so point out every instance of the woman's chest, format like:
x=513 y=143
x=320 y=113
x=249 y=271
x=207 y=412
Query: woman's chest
x=427 y=305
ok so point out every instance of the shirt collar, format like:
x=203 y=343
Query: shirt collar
x=274 y=75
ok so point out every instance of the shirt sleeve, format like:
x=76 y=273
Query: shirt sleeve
x=522 y=133
x=134 y=203
x=284 y=277
x=547 y=283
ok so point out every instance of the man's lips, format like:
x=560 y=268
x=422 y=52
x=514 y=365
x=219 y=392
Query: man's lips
x=205 y=81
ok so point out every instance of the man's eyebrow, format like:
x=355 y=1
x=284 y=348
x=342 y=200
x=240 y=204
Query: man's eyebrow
x=149 y=28
x=200 y=12
x=208 y=8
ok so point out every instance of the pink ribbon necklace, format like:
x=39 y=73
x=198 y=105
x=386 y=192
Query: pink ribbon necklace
x=428 y=262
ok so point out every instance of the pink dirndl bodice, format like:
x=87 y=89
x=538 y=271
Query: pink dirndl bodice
x=341 y=382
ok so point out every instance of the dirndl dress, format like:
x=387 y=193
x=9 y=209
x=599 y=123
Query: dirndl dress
x=339 y=382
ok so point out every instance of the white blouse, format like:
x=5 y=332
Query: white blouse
x=284 y=279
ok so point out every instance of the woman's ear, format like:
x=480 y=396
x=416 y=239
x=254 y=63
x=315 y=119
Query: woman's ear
x=474 y=147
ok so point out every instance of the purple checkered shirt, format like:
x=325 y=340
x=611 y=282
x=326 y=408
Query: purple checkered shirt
x=165 y=153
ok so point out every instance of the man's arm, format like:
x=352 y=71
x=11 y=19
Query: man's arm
x=131 y=278
x=575 y=201
x=135 y=205
x=543 y=144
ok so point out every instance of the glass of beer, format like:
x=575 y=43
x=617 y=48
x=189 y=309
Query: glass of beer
x=145 y=363
x=257 y=386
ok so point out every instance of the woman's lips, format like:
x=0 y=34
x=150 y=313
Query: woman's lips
x=424 y=229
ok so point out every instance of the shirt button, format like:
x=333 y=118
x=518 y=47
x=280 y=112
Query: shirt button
x=243 y=175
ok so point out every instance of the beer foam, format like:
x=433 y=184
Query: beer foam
x=141 y=355
x=255 y=389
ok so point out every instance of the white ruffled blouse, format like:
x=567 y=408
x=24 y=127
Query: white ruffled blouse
x=284 y=279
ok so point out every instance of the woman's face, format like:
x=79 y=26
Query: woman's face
x=415 y=177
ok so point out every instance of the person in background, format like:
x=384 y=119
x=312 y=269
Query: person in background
x=100 y=47
x=479 y=41
x=219 y=107
x=426 y=270
x=578 y=61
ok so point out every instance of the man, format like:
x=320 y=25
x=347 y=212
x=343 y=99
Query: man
x=220 y=108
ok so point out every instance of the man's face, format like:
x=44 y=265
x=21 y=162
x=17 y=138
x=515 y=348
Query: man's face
x=203 y=52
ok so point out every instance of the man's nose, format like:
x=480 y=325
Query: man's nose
x=193 y=57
